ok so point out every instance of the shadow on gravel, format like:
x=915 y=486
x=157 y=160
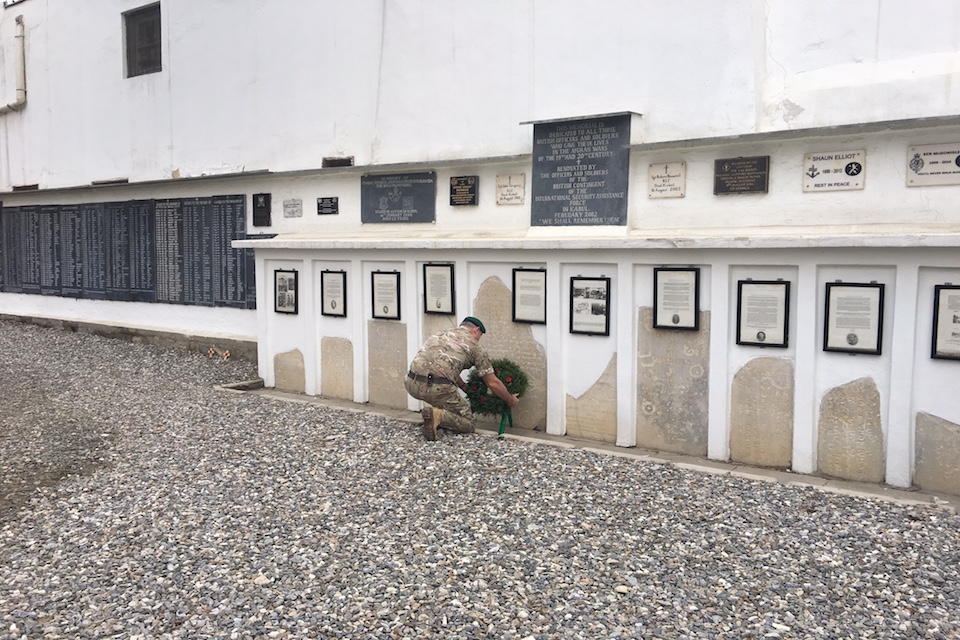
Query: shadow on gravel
x=41 y=442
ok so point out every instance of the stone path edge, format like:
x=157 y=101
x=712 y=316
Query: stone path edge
x=948 y=503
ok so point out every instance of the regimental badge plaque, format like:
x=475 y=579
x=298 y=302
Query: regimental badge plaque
x=328 y=206
x=463 y=190
x=933 y=164
x=741 y=175
x=834 y=170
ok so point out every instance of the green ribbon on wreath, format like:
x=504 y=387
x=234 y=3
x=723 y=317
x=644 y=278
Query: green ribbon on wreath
x=503 y=421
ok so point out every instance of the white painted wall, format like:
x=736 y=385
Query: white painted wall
x=279 y=85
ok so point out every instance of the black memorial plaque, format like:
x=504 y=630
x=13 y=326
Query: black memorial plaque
x=741 y=175
x=328 y=206
x=261 y=209
x=93 y=244
x=169 y=236
x=410 y=197
x=71 y=252
x=197 y=251
x=117 y=250
x=48 y=226
x=30 y=249
x=581 y=172
x=141 y=215
x=463 y=190
x=10 y=238
x=229 y=273
x=171 y=251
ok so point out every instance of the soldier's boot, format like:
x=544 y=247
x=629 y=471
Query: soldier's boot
x=431 y=420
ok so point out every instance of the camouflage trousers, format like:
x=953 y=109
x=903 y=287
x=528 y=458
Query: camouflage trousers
x=446 y=397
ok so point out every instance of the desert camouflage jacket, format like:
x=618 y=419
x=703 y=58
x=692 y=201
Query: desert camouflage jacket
x=450 y=352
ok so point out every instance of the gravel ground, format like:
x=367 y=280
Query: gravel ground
x=140 y=502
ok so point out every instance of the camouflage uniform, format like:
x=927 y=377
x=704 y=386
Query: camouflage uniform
x=444 y=356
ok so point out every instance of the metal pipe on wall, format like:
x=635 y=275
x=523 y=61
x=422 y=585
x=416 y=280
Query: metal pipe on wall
x=21 y=100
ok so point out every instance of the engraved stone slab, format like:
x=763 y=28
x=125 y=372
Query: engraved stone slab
x=938 y=450
x=850 y=434
x=336 y=368
x=288 y=371
x=434 y=323
x=761 y=413
x=507 y=339
x=593 y=416
x=387 y=363
x=672 y=386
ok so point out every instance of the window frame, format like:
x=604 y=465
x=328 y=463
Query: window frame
x=142 y=57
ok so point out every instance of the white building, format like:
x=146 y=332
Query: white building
x=788 y=137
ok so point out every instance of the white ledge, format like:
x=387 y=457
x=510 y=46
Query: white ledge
x=874 y=236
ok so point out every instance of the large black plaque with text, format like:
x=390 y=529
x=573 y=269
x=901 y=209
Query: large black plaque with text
x=408 y=197
x=172 y=251
x=71 y=252
x=581 y=171
x=93 y=245
x=741 y=175
x=10 y=251
x=48 y=228
x=30 y=249
x=143 y=246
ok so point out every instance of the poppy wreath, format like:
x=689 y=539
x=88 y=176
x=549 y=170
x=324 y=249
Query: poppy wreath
x=482 y=401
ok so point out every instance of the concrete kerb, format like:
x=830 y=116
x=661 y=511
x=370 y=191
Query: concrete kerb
x=948 y=503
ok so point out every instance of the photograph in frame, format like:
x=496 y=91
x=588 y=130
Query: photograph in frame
x=676 y=298
x=530 y=296
x=763 y=313
x=285 y=291
x=385 y=289
x=590 y=306
x=946 y=322
x=438 y=289
x=333 y=293
x=853 y=318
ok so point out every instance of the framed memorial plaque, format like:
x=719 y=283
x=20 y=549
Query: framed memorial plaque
x=285 y=291
x=333 y=293
x=676 y=298
x=590 y=306
x=530 y=296
x=763 y=312
x=853 y=321
x=946 y=322
x=385 y=286
x=438 y=289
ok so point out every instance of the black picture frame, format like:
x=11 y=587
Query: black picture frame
x=530 y=295
x=590 y=306
x=385 y=295
x=763 y=313
x=945 y=342
x=439 y=289
x=853 y=318
x=676 y=298
x=333 y=293
x=285 y=293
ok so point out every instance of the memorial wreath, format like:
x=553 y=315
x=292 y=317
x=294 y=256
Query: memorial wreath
x=482 y=401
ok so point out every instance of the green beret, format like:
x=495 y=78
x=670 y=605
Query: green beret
x=475 y=323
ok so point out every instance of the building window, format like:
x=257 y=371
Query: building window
x=142 y=33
